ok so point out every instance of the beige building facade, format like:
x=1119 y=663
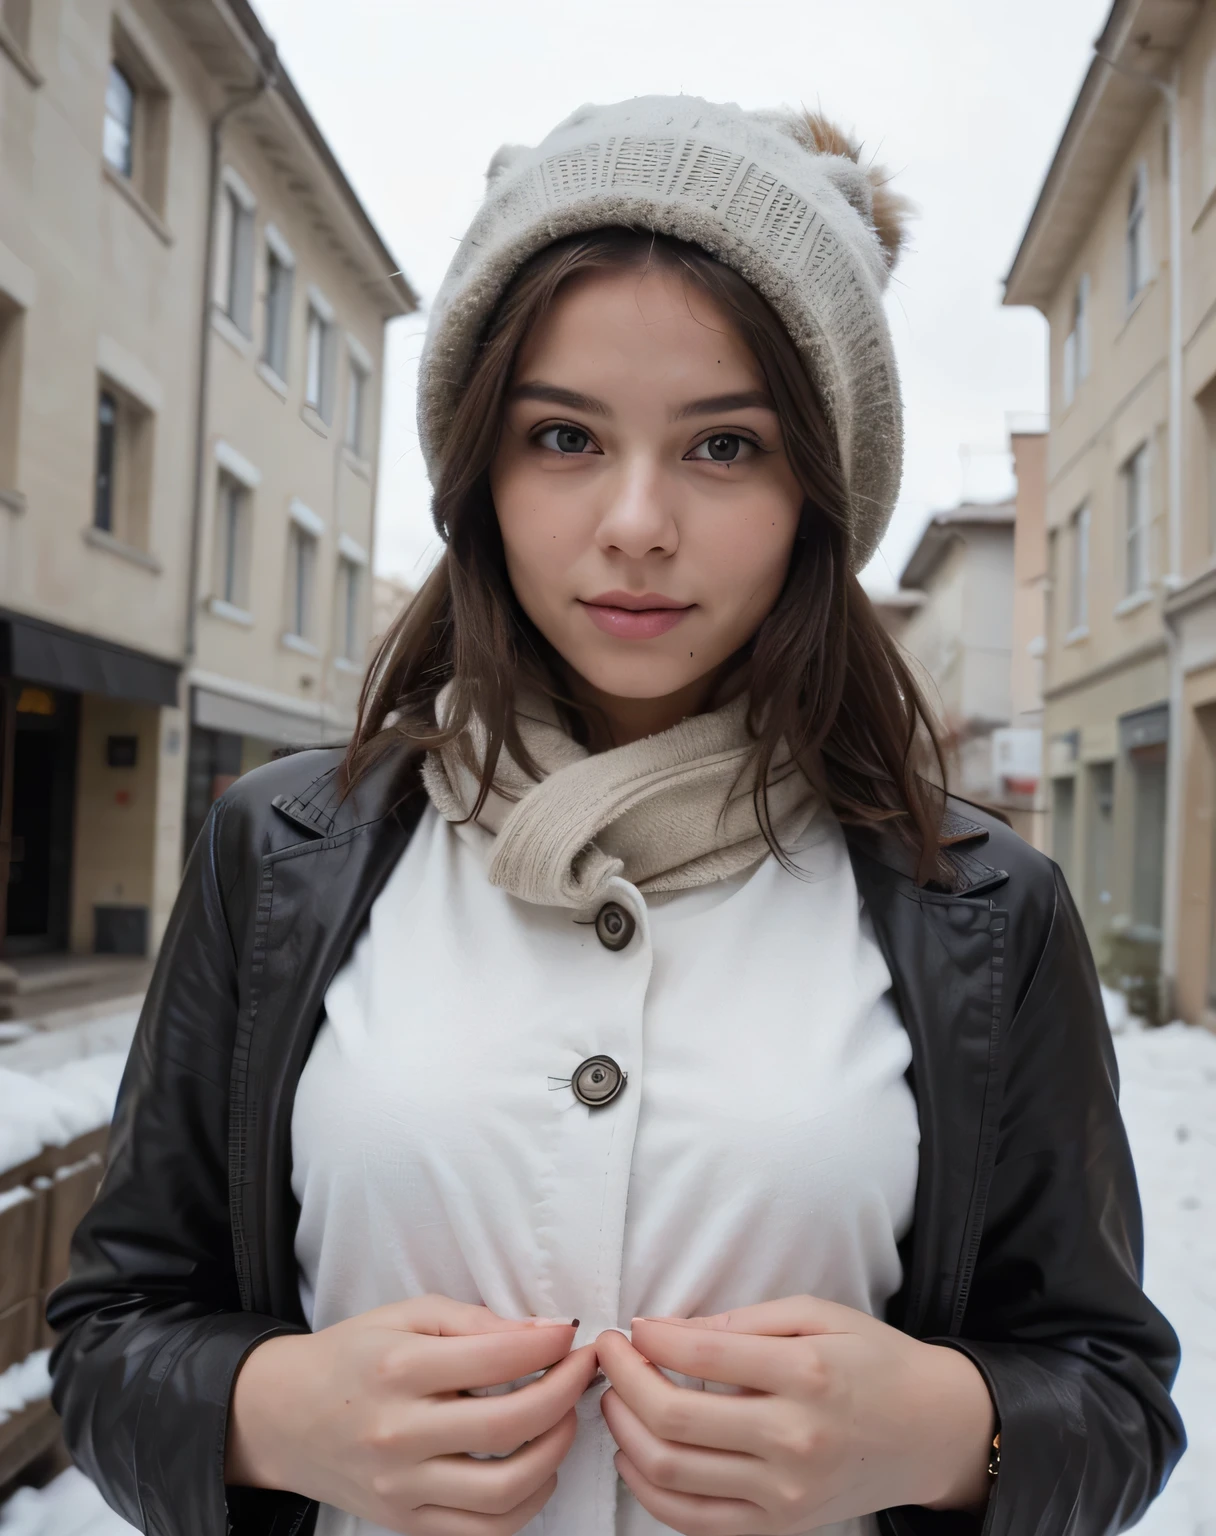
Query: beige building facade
x=958 y=632
x=192 y=311
x=1120 y=256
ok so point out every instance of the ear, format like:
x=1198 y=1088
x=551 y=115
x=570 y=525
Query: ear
x=505 y=156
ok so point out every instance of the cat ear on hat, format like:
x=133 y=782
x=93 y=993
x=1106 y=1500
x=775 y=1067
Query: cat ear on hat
x=867 y=189
x=505 y=156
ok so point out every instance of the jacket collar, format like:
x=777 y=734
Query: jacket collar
x=323 y=810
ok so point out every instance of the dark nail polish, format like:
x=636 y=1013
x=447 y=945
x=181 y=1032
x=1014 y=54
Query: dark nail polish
x=574 y=1324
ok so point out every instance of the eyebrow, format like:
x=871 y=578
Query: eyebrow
x=712 y=405
x=553 y=394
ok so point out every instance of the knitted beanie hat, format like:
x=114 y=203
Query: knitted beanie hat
x=777 y=196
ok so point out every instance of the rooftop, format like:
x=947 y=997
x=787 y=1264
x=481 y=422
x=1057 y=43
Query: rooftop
x=1132 y=55
x=941 y=530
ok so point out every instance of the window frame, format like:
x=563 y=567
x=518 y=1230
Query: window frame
x=305 y=531
x=127 y=449
x=235 y=251
x=320 y=323
x=1137 y=245
x=352 y=567
x=1136 y=474
x=105 y=458
x=145 y=173
x=1078 y=575
x=277 y=302
x=125 y=169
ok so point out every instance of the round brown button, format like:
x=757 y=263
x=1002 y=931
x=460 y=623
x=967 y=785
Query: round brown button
x=614 y=926
x=597 y=1081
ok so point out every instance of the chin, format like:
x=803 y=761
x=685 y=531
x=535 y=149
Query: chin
x=638 y=677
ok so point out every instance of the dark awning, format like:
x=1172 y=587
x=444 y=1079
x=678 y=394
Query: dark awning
x=38 y=652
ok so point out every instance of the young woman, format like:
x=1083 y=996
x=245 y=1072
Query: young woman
x=628 y=969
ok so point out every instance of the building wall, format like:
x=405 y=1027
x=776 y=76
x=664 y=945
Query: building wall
x=297 y=456
x=959 y=641
x=101 y=285
x=110 y=287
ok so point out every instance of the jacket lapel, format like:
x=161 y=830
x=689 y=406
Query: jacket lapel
x=314 y=898
x=945 y=952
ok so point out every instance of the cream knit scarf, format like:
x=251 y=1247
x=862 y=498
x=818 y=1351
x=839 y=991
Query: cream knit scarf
x=667 y=813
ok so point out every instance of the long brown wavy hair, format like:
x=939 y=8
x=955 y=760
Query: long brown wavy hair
x=822 y=673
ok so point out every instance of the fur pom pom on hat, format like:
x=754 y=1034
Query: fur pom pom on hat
x=778 y=196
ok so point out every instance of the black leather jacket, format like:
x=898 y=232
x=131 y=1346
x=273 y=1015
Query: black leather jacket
x=1025 y=1246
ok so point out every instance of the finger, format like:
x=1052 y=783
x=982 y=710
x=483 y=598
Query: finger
x=682 y=1468
x=425 y=1365
x=790 y=1316
x=732 y=1359
x=494 y=1487
x=496 y=1426
x=442 y=1316
x=434 y=1520
x=684 y=1414
x=690 y=1511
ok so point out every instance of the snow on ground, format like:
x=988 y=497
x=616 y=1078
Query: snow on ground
x=1169 y=1103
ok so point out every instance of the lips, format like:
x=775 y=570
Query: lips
x=636 y=616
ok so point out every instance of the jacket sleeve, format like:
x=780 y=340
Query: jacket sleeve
x=1078 y=1360
x=152 y=1331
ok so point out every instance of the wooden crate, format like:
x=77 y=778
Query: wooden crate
x=22 y=1238
x=20 y=1331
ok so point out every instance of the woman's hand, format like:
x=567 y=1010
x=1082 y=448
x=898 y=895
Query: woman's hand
x=368 y=1415
x=840 y=1415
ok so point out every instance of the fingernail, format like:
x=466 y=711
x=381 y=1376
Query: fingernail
x=575 y=1323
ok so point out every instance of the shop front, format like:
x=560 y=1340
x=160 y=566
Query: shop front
x=84 y=728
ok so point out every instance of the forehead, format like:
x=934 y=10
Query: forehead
x=654 y=324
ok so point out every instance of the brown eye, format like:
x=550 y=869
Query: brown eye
x=721 y=448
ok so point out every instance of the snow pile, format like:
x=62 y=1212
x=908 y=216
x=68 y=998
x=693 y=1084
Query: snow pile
x=1169 y=1105
x=69 y=1506
x=26 y=1382
x=49 y=1109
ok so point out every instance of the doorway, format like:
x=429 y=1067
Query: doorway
x=43 y=779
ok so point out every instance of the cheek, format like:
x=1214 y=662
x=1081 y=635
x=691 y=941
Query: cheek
x=540 y=527
x=745 y=557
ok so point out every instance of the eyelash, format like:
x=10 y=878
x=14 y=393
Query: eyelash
x=569 y=426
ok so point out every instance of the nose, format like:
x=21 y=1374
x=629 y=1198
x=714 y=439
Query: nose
x=639 y=518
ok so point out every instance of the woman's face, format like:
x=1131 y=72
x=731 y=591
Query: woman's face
x=646 y=503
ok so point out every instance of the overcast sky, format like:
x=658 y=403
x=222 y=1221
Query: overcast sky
x=964 y=99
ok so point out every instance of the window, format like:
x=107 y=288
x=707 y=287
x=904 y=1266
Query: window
x=1207 y=411
x=301 y=564
x=1136 y=513
x=107 y=430
x=1078 y=591
x=280 y=280
x=1076 y=343
x=1137 y=233
x=122 y=473
x=15 y=19
x=349 y=586
x=135 y=130
x=118 y=142
x=232 y=504
x=12 y=325
x=319 y=357
x=315 y=386
x=356 y=407
x=1209 y=125
x=234 y=252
